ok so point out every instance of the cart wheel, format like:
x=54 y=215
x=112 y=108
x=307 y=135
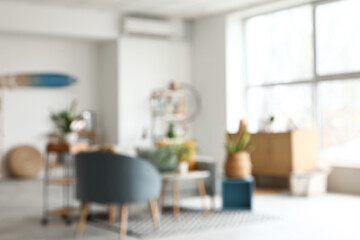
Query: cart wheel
x=44 y=221
x=89 y=217
x=68 y=220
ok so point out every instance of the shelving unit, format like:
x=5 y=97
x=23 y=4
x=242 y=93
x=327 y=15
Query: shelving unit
x=168 y=107
x=59 y=157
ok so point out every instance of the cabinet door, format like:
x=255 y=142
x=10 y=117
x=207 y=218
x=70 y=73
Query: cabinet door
x=280 y=152
x=304 y=150
x=260 y=156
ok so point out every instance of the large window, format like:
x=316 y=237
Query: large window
x=303 y=68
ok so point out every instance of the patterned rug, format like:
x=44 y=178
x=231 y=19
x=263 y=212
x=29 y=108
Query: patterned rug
x=190 y=221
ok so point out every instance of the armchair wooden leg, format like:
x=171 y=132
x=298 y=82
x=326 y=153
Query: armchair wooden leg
x=154 y=213
x=123 y=220
x=112 y=209
x=82 y=220
x=202 y=192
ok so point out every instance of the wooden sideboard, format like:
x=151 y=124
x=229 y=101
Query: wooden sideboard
x=279 y=154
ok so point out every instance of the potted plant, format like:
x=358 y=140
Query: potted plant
x=63 y=120
x=238 y=163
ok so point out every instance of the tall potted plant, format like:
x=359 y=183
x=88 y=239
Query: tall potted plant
x=238 y=162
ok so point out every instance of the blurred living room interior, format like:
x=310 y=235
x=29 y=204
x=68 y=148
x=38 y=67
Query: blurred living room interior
x=179 y=119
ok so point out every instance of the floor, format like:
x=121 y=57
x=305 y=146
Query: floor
x=333 y=216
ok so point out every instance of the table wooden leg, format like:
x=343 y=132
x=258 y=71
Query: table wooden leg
x=154 y=213
x=123 y=220
x=176 y=200
x=162 y=197
x=202 y=192
x=112 y=209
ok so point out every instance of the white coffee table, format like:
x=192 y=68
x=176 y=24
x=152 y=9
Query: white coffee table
x=175 y=177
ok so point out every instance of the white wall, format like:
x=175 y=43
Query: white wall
x=147 y=64
x=18 y=17
x=26 y=110
x=109 y=76
x=235 y=87
x=344 y=180
x=209 y=78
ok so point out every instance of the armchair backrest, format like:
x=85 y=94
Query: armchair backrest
x=106 y=177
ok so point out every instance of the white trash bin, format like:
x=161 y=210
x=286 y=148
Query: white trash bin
x=309 y=184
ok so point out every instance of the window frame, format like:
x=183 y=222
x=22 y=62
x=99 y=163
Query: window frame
x=312 y=82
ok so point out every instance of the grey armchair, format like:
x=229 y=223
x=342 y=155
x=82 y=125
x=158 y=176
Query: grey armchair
x=109 y=178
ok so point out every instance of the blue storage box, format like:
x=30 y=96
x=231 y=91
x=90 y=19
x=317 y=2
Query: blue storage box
x=237 y=193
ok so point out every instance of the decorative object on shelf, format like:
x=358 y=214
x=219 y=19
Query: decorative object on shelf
x=169 y=110
x=89 y=117
x=171 y=133
x=174 y=85
x=85 y=126
x=269 y=124
x=180 y=108
x=25 y=161
x=238 y=163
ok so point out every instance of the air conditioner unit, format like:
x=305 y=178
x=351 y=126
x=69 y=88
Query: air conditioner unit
x=169 y=28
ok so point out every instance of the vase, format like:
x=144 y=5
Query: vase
x=183 y=168
x=238 y=165
x=190 y=157
x=71 y=137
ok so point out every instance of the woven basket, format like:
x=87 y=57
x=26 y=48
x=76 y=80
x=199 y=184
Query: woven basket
x=238 y=165
x=25 y=162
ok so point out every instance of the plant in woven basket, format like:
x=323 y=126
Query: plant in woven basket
x=238 y=163
x=239 y=144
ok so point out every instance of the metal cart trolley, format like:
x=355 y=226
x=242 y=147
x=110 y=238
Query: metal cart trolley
x=59 y=173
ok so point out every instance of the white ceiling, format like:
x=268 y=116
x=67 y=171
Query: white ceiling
x=170 y=8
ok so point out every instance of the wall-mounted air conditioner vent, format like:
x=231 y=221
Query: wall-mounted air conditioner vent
x=168 y=28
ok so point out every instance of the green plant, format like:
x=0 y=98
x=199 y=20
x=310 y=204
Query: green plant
x=182 y=151
x=164 y=158
x=63 y=119
x=239 y=144
x=171 y=132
